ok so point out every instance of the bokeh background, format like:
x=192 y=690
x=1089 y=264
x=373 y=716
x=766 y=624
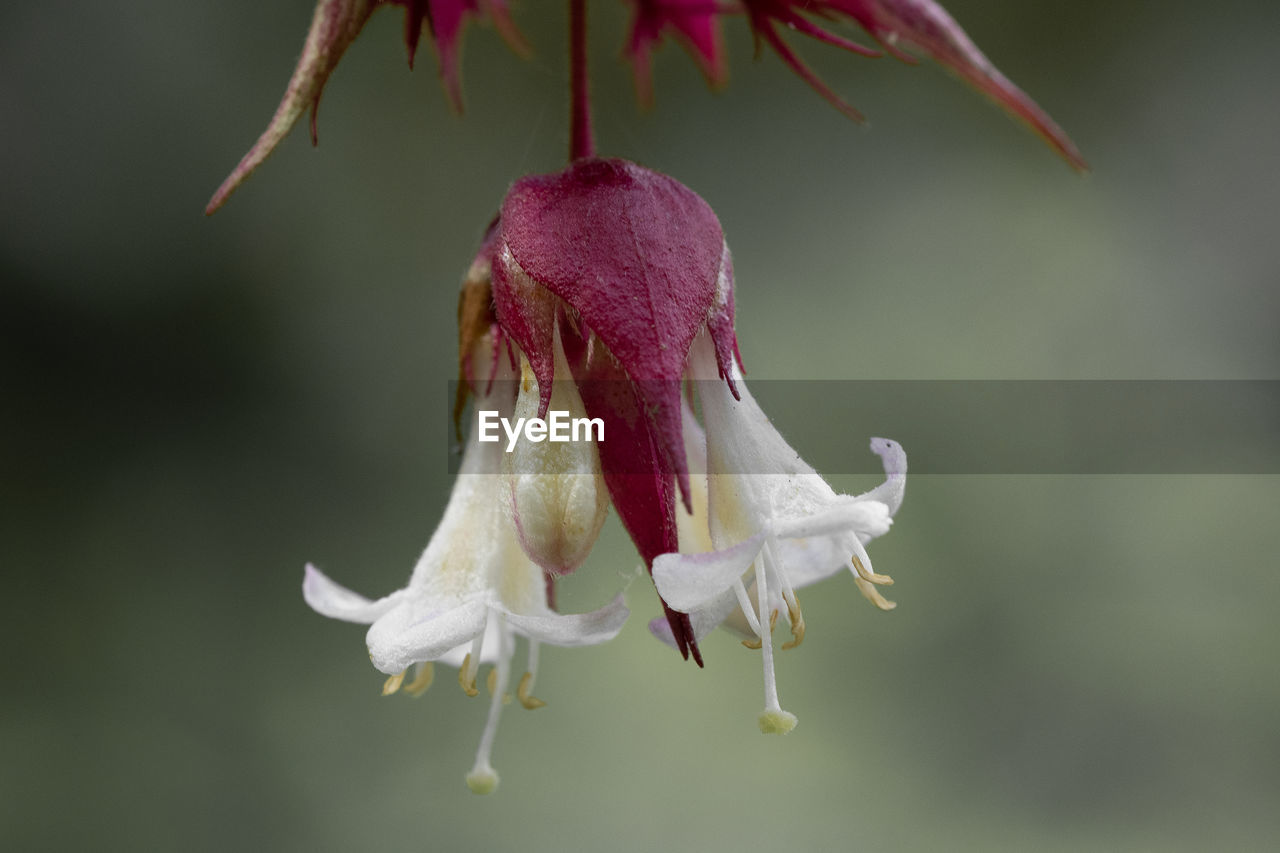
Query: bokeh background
x=194 y=408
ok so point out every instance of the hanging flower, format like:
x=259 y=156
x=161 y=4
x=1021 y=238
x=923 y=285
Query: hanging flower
x=472 y=593
x=606 y=290
x=774 y=526
x=618 y=279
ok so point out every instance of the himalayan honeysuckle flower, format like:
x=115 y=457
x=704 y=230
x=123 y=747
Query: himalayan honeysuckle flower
x=609 y=287
x=900 y=27
x=771 y=525
x=472 y=592
x=620 y=278
x=605 y=292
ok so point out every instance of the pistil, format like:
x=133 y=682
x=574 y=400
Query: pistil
x=483 y=779
x=773 y=720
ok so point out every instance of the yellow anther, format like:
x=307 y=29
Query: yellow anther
x=527 y=379
x=467 y=677
x=796 y=618
x=773 y=621
x=392 y=684
x=753 y=643
x=492 y=681
x=873 y=595
x=872 y=577
x=522 y=691
x=421 y=681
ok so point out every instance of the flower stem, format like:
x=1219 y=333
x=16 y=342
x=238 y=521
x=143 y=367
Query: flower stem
x=581 y=141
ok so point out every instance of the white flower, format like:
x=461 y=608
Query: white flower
x=472 y=592
x=774 y=524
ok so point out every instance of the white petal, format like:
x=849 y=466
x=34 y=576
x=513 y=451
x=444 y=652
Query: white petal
x=489 y=649
x=689 y=581
x=860 y=516
x=693 y=529
x=579 y=629
x=337 y=602
x=401 y=637
x=807 y=561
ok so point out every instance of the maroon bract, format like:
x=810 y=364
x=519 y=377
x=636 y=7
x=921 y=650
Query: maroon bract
x=766 y=14
x=334 y=26
x=694 y=23
x=926 y=26
x=627 y=267
x=921 y=25
x=446 y=19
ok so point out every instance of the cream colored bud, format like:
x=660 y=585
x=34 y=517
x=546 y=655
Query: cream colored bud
x=558 y=495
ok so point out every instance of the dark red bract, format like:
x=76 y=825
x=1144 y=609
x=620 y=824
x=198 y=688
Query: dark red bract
x=628 y=266
x=694 y=23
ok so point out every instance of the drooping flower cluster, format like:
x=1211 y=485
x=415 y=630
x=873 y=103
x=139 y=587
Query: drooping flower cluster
x=603 y=290
x=900 y=27
x=606 y=291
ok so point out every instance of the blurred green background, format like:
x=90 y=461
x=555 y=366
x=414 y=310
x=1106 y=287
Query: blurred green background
x=194 y=408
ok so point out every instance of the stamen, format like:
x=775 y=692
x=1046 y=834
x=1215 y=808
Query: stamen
x=873 y=595
x=748 y=609
x=492 y=681
x=392 y=684
x=794 y=617
x=796 y=620
x=868 y=575
x=525 y=689
x=422 y=680
x=467 y=677
x=865 y=576
x=471 y=663
x=523 y=692
x=483 y=779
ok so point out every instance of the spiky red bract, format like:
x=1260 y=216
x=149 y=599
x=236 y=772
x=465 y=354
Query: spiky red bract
x=694 y=23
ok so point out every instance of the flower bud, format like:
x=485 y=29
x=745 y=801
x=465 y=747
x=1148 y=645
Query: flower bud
x=558 y=495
